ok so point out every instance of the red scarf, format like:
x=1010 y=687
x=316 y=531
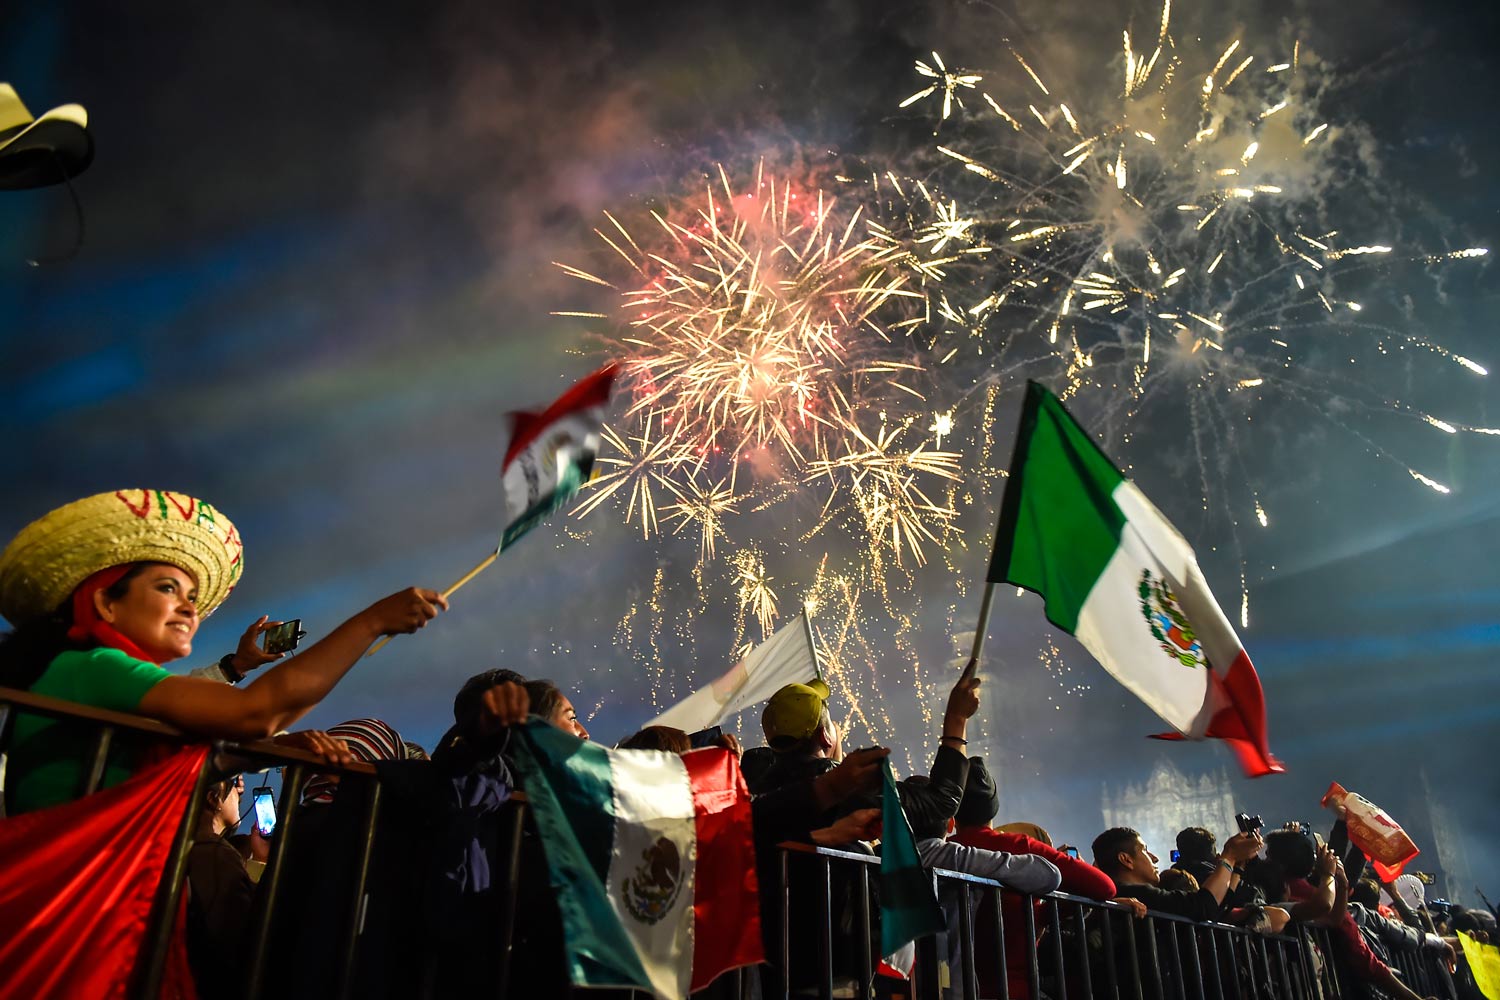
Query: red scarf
x=87 y=625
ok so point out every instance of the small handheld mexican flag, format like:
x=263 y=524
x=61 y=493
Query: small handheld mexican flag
x=549 y=455
x=652 y=859
x=1116 y=574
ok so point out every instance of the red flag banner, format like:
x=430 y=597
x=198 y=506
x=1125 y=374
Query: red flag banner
x=79 y=879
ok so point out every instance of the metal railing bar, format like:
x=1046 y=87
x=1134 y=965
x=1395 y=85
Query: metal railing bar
x=1082 y=931
x=786 y=924
x=1107 y=928
x=264 y=914
x=1033 y=969
x=507 y=929
x=970 y=978
x=158 y=937
x=825 y=931
x=355 y=917
x=1054 y=920
x=866 y=932
x=999 y=914
x=93 y=775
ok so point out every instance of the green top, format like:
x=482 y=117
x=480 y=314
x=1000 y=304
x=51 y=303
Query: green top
x=1059 y=524
x=48 y=759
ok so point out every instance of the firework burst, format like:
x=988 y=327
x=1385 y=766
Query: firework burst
x=1171 y=239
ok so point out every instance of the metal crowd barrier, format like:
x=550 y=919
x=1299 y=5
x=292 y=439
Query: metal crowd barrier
x=229 y=757
x=1110 y=955
x=1085 y=949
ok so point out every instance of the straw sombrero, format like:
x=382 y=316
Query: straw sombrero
x=35 y=152
x=51 y=556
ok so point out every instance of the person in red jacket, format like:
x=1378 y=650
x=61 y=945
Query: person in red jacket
x=980 y=803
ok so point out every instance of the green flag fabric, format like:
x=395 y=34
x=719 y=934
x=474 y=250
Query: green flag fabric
x=908 y=905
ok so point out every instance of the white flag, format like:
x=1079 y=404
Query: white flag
x=785 y=658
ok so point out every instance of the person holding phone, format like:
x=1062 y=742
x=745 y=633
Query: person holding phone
x=264 y=642
x=105 y=590
x=220 y=891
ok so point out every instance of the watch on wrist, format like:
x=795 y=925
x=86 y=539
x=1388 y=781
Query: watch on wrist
x=226 y=667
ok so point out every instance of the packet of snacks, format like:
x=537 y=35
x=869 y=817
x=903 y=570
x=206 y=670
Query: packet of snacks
x=1372 y=830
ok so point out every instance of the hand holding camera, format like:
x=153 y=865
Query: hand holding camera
x=1242 y=847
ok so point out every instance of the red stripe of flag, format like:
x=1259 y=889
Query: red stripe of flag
x=1240 y=719
x=726 y=898
x=591 y=390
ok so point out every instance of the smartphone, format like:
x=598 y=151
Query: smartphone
x=265 y=811
x=1176 y=856
x=1072 y=852
x=706 y=737
x=284 y=637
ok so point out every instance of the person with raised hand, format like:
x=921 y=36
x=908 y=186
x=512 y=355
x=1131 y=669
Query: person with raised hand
x=104 y=590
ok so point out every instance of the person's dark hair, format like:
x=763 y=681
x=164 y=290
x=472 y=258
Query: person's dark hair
x=1177 y=880
x=658 y=738
x=1292 y=851
x=544 y=695
x=27 y=651
x=213 y=797
x=1195 y=844
x=1365 y=892
x=466 y=702
x=1110 y=844
x=981 y=799
x=1266 y=876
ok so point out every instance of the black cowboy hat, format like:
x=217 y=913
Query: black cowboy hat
x=36 y=152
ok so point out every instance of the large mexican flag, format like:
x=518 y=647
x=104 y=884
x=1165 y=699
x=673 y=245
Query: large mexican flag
x=652 y=858
x=1116 y=574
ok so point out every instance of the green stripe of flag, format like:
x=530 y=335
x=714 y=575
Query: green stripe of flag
x=1059 y=525
x=575 y=817
x=908 y=906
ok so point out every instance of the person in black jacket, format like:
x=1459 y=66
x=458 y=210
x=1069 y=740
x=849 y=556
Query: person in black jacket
x=807 y=743
x=1122 y=855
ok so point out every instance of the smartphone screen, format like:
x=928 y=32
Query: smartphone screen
x=1176 y=856
x=705 y=737
x=1072 y=852
x=265 y=811
x=283 y=637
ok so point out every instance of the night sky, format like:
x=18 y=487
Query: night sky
x=317 y=269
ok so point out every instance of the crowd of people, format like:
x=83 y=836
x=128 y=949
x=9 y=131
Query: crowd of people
x=105 y=591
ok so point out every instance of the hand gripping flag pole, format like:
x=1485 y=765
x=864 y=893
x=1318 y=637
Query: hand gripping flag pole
x=548 y=457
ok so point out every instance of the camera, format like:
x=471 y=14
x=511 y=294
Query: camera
x=1248 y=823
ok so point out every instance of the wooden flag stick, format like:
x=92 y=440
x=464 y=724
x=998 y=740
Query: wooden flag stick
x=985 y=604
x=812 y=642
x=471 y=574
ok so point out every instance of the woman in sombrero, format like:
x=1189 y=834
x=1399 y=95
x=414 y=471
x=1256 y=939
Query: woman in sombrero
x=105 y=590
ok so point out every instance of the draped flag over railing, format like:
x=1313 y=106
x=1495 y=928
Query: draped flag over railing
x=652 y=859
x=78 y=880
x=1116 y=574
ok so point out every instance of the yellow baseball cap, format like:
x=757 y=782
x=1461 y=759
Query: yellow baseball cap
x=792 y=714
